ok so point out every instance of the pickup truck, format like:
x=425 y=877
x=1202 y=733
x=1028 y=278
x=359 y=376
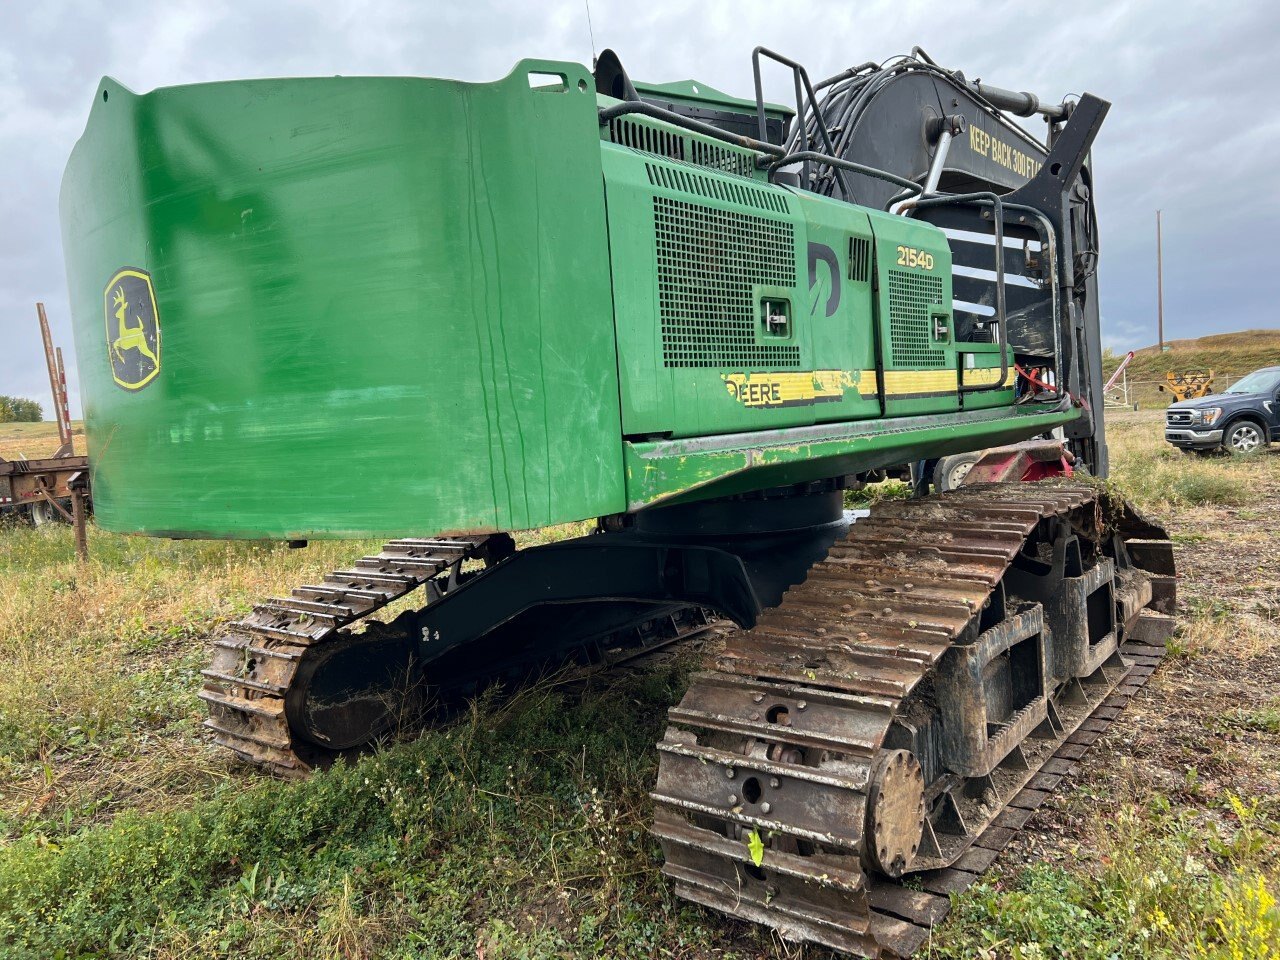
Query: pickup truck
x=1244 y=418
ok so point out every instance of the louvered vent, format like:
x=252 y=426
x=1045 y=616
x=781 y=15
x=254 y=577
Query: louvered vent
x=690 y=181
x=720 y=158
x=911 y=295
x=708 y=262
x=859 y=259
x=640 y=136
x=674 y=146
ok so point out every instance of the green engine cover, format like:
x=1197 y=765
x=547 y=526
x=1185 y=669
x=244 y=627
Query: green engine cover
x=368 y=306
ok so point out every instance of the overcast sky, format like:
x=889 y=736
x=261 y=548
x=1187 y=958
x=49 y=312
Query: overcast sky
x=1194 y=128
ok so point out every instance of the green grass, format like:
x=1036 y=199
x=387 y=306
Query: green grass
x=486 y=838
x=874 y=493
x=1159 y=883
x=1262 y=719
x=1158 y=477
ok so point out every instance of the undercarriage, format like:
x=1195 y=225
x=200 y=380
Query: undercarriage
x=896 y=686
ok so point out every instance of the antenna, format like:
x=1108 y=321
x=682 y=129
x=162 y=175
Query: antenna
x=591 y=32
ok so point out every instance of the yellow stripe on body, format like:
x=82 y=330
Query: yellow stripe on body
x=985 y=376
x=805 y=387
x=920 y=381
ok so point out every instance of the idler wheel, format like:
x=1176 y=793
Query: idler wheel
x=895 y=813
x=354 y=689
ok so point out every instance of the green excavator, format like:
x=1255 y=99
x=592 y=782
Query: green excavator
x=440 y=312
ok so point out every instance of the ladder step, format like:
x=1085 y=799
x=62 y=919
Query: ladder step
x=300 y=637
x=428 y=565
x=450 y=546
x=369 y=597
x=364 y=576
x=339 y=610
x=286 y=764
x=291 y=608
x=772 y=733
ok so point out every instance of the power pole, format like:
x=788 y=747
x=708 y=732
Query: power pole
x=1159 y=285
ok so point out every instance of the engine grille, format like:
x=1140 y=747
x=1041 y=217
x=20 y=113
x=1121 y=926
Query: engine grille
x=911 y=295
x=708 y=262
x=688 y=180
x=639 y=135
x=1177 y=418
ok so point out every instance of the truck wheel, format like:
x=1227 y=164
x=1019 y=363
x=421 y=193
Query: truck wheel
x=1244 y=437
x=951 y=471
x=43 y=514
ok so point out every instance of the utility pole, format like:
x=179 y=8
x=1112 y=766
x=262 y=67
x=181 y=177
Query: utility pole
x=1159 y=285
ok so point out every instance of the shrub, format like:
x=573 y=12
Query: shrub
x=19 y=410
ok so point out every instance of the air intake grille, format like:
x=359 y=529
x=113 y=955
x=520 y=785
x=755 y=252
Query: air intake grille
x=859 y=259
x=690 y=181
x=640 y=136
x=708 y=261
x=911 y=295
x=718 y=158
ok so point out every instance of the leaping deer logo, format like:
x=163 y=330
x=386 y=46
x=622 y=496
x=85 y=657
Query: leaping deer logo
x=130 y=338
x=133 y=328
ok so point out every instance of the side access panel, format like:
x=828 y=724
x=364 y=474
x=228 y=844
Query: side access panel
x=708 y=296
x=913 y=302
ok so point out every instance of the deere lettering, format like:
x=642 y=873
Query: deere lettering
x=1008 y=156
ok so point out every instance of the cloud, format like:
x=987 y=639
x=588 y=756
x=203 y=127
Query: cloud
x=1186 y=134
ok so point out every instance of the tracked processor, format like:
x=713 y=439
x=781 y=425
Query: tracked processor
x=440 y=313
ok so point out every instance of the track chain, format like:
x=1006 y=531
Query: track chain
x=781 y=794
x=255 y=662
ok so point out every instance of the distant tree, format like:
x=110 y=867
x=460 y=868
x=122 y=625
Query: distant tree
x=19 y=410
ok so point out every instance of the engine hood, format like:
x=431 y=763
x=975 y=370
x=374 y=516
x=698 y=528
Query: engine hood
x=1214 y=400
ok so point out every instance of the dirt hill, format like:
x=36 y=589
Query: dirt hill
x=1229 y=355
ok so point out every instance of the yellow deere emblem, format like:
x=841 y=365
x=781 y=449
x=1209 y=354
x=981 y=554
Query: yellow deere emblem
x=802 y=388
x=133 y=329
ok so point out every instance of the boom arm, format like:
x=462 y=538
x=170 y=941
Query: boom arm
x=922 y=123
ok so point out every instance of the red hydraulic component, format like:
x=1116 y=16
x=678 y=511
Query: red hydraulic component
x=1030 y=460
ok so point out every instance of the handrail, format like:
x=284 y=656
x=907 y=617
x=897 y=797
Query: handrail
x=798 y=73
x=873 y=172
x=998 y=216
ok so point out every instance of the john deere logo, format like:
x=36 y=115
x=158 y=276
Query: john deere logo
x=133 y=329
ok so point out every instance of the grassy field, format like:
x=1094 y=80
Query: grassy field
x=518 y=830
x=35 y=440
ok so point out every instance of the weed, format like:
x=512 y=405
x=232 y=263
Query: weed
x=874 y=493
x=1264 y=719
x=1151 y=890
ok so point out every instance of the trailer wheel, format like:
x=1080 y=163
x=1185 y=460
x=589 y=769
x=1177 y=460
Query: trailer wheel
x=43 y=513
x=951 y=471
